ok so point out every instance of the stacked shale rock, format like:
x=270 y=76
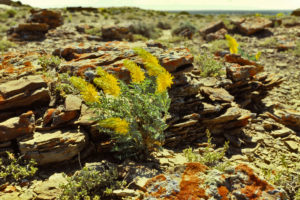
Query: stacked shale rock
x=36 y=26
x=59 y=127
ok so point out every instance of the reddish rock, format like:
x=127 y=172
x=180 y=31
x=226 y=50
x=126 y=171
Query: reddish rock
x=213 y=27
x=220 y=34
x=17 y=127
x=28 y=31
x=296 y=12
x=253 y=25
x=117 y=32
x=197 y=181
x=44 y=16
x=23 y=92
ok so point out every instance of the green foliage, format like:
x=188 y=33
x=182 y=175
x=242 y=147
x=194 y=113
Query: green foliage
x=15 y=170
x=11 y=12
x=49 y=62
x=209 y=156
x=209 y=66
x=5 y=45
x=144 y=109
x=217 y=45
x=146 y=30
x=270 y=42
x=184 y=28
x=296 y=51
x=63 y=85
x=138 y=37
x=90 y=184
x=94 y=31
x=297 y=195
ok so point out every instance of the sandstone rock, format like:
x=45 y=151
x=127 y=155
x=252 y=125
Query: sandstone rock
x=73 y=103
x=282 y=132
x=220 y=34
x=213 y=27
x=17 y=127
x=54 y=146
x=198 y=181
x=28 y=31
x=23 y=92
x=253 y=25
x=117 y=32
x=44 y=16
x=296 y=12
x=50 y=189
x=217 y=94
x=289 y=118
x=79 y=9
x=292 y=145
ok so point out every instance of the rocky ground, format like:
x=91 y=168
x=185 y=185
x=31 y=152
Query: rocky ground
x=255 y=105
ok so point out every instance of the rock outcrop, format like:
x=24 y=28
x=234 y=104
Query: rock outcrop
x=296 y=12
x=55 y=146
x=252 y=25
x=36 y=27
x=197 y=181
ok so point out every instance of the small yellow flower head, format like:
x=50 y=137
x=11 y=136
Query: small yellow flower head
x=108 y=83
x=232 y=43
x=90 y=94
x=137 y=75
x=119 y=125
x=88 y=91
x=257 y=56
x=163 y=81
x=151 y=62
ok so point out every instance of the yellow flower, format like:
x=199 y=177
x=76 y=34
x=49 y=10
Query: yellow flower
x=90 y=94
x=137 y=75
x=151 y=62
x=257 y=56
x=232 y=43
x=119 y=125
x=107 y=82
x=164 y=81
x=88 y=91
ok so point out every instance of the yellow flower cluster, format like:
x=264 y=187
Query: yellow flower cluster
x=117 y=124
x=107 y=82
x=257 y=56
x=164 y=79
x=232 y=43
x=151 y=63
x=137 y=74
x=88 y=91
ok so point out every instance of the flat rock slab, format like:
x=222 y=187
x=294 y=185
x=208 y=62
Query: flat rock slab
x=23 y=92
x=110 y=56
x=17 y=127
x=253 y=25
x=54 y=146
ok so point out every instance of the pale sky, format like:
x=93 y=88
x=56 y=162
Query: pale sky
x=174 y=4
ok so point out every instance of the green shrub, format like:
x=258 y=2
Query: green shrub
x=138 y=37
x=49 y=62
x=15 y=170
x=209 y=66
x=11 y=13
x=146 y=30
x=91 y=184
x=133 y=114
x=5 y=45
x=185 y=29
x=93 y=31
x=209 y=156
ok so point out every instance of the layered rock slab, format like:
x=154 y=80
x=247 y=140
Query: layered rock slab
x=54 y=146
x=23 y=92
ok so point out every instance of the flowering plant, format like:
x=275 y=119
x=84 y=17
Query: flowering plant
x=134 y=114
x=234 y=48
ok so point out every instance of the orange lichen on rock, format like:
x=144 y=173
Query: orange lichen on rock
x=2 y=99
x=223 y=192
x=159 y=190
x=189 y=186
x=253 y=191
